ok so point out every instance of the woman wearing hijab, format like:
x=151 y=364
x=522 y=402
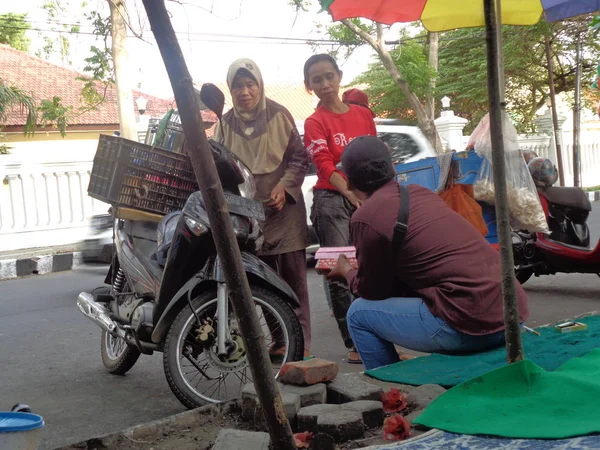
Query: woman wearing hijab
x=263 y=135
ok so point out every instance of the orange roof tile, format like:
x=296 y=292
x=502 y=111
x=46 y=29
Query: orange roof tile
x=44 y=80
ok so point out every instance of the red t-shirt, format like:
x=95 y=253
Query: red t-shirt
x=326 y=134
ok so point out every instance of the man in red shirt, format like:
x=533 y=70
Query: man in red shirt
x=438 y=290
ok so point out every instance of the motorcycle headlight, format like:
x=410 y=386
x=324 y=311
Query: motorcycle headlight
x=248 y=187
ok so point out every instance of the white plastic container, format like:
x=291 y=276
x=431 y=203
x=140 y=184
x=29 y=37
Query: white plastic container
x=20 y=431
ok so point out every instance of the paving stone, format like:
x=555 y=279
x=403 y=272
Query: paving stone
x=307 y=416
x=252 y=410
x=312 y=371
x=371 y=410
x=350 y=387
x=230 y=439
x=342 y=425
x=421 y=397
x=309 y=395
x=322 y=441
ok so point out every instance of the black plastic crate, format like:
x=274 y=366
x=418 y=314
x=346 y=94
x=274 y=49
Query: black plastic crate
x=135 y=175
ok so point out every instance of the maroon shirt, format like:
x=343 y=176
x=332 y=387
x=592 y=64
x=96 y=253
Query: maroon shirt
x=444 y=260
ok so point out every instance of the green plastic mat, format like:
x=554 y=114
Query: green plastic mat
x=549 y=351
x=522 y=400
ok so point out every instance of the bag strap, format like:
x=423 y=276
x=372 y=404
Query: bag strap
x=401 y=227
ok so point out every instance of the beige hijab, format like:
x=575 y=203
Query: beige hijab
x=250 y=66
x=259 y=137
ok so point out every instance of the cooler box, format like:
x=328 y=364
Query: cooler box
x=426 y=172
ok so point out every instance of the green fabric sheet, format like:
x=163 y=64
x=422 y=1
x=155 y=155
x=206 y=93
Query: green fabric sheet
x=549 y=351
x=522 y=400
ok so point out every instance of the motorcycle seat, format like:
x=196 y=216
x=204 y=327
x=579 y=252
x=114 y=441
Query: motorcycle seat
x=572 y=197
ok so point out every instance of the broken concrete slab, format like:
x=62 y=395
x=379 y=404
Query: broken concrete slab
x=350 y=387
x=230 y=439
x=309 y=395
x=422 y=396
x=308 y=416
x=342 y=425
x=371 y=410
x=308 y=372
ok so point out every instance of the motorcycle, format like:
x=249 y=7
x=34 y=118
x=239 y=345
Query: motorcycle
x=167 y=292
x=567 y=248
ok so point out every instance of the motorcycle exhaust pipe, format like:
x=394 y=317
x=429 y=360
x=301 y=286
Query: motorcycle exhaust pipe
x=98 y=314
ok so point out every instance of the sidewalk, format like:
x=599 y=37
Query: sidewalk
x=39 y=261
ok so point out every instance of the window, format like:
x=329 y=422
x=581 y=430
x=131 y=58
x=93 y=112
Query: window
x=402 y=145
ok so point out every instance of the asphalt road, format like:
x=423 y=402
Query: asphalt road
x=50 y=353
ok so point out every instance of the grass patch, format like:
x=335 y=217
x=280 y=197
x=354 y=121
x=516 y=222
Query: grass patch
x=591 y=189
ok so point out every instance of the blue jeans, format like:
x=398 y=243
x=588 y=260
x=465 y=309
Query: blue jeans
x=375 y=326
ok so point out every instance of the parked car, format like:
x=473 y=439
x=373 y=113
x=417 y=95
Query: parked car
x=100 y=236
x=407 y=144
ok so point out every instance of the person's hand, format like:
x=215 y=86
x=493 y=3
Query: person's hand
x=341 y=269
x=277 y=198
x=352 y=198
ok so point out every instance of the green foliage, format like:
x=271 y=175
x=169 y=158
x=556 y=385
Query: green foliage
x=463 y=75
x=99 y=64
x=55 y=11
x=13 y=29
x=55 y=113
x=385 y=96
x=13 y=97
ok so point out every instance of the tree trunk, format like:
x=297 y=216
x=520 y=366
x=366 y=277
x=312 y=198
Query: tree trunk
x=426 y=122
x=434 y=39
x=123 y=81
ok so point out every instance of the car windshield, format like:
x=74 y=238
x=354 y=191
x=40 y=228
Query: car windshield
x=402 y=145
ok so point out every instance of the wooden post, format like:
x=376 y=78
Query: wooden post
x=561 y=174
x=514 y=347
x=577 y=117
x=218 y=215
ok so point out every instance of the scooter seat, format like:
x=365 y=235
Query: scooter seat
x=572 y=197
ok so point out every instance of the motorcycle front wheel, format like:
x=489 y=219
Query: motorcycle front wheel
x=194 y=371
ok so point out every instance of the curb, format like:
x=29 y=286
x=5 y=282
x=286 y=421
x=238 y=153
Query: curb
x=181 y=421
x=39 y=265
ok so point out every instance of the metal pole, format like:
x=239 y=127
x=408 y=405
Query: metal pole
x=577 y=117
x=225 y=240
x=514 y=348
x=561 y=174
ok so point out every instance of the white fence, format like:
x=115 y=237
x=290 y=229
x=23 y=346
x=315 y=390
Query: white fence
x=43 y=196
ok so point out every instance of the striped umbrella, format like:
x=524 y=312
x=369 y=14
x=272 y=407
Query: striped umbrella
x=442 y=15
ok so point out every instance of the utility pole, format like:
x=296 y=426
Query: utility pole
x=123 y=79
x=223 y=234
x=561 y=174
x=433 y=40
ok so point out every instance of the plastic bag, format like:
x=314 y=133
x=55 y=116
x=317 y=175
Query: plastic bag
x=523 y=201
x=459 y=197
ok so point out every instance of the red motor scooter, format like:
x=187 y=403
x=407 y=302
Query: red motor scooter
x=567 y=248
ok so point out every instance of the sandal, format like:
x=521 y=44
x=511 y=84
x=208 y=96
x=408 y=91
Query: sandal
x=352 y=357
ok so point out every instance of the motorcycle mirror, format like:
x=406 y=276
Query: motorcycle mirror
x=213 y=98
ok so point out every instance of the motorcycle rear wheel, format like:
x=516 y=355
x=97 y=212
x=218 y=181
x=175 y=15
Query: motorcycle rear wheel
x=193 y=370
x=118 y=356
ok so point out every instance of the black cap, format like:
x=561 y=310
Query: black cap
x=367 y=163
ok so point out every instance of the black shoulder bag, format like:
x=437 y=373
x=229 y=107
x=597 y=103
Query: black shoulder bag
x=401 y=227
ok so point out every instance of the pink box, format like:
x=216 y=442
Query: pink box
x=327 y=258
